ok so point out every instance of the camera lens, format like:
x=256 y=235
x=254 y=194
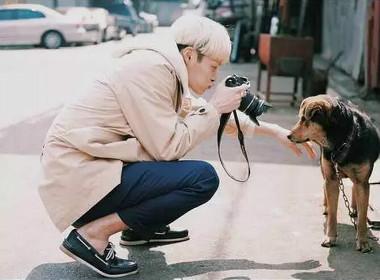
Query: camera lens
x=253 y=106
x=250 y=104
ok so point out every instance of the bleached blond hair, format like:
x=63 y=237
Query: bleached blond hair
x=208 y=37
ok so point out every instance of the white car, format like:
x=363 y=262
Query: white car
x=108 y=29
x=107 y=24
x=32 y=24
x=150 y=18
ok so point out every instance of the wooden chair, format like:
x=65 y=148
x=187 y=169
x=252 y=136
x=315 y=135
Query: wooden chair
x=284 y=56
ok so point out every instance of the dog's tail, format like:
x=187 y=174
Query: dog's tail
x=331 y=64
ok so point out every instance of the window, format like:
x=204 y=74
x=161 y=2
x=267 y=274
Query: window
x=7 y=14
x=29 y=14
x=119 y=9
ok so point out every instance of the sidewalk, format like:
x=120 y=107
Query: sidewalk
x=268 y=228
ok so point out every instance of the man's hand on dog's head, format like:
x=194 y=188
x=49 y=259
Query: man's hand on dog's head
x=276 y=131
x=282 y=135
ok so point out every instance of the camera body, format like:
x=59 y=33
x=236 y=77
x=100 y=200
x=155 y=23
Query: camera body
x=252 y=105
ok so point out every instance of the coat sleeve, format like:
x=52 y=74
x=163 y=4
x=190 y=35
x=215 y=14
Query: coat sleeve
x=91 y=141
x=247 y=126
x=146 y=96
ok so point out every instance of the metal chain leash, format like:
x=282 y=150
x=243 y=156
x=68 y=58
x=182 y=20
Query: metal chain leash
x=346 y=202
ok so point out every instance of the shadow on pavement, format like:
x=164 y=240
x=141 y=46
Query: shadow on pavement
x=345 y=262
x=20 y=47
x=153 y=266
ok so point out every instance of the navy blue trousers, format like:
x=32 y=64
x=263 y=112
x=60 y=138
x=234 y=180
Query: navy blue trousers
x=154 y=194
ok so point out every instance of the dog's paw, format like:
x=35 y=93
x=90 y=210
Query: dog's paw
x=329 y=242
x=363 y=246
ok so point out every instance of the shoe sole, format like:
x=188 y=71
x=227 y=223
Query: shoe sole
x=75 y=257
x=142 y=242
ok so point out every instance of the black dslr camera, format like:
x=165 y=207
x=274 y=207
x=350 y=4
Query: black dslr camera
x=251 y=105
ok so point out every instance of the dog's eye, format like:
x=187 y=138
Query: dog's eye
x=303 y=119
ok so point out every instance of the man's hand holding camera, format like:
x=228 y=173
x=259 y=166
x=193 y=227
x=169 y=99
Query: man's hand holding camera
x=226 y=99
x=229 y=98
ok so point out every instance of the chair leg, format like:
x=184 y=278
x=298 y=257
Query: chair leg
x=295 y=86
x=259 y=76
x=295 y=90
x=267 y=94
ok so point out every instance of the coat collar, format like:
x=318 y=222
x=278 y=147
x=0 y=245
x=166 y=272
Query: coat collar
x=167 y=47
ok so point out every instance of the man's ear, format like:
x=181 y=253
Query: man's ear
x=187 y=54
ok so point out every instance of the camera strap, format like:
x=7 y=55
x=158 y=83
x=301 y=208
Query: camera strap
x=223 y=122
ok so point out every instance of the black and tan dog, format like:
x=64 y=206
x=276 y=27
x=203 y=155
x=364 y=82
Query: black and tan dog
x=348 y=140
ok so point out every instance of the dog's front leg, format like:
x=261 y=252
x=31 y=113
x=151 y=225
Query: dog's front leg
x=362 y=193
x=331 y=189
x=354 y=206
x=324 y=202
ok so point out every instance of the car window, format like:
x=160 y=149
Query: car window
x=132 y=11
x=28 y=14
x=119 y=9
x=7 y=14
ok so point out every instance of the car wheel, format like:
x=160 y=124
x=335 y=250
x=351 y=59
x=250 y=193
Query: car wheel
x=52 y=40
x=104 y=35
x=121 y=34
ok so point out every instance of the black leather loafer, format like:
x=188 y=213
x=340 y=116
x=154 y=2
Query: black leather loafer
x=107 y=264
x=164 y=235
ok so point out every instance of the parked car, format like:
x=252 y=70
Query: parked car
x=112 y=30
x=144 y=26
x=150 y=18
x=108 y=29
x=32 y=24
x=167 y=11
x=127 y=16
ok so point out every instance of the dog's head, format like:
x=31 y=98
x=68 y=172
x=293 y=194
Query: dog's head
x=315 y=116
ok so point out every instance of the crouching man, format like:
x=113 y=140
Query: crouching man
x=111 y=160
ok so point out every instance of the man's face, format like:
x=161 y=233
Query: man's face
x=202 y=71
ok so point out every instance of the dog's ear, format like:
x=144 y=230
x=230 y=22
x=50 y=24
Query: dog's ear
x=303 y=106
x=313 y=112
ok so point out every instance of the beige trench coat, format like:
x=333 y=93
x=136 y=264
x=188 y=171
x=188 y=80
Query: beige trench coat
x=128 y=115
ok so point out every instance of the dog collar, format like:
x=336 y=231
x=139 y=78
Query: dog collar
x=338 y=155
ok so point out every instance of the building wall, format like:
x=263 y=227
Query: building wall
x=344 y=25
x=373 y=47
